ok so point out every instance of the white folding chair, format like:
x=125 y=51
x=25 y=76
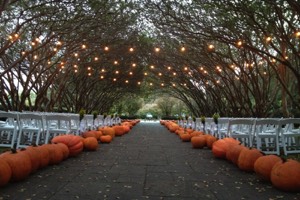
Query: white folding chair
x=290 y=135
x=56 y=124
x=266 y=133
x=74 y=123
x=209 y=126
x=198 y=124
x=31 y=128
x=99 y=121
x=189 y=123
x=107 y=120
x=222 y=127
x=87 y=122
x=241 y=129
x=8 y=128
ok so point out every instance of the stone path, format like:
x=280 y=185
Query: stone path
x=148 y=163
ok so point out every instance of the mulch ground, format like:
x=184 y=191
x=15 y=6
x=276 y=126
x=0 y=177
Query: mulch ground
x=148 y=163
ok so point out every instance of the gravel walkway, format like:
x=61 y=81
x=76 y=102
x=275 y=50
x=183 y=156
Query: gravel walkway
x=148 y=163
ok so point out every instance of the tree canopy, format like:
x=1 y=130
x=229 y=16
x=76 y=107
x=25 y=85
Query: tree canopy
x=237 y=58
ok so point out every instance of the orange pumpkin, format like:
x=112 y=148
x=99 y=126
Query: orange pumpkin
x=126 y=129
x=98 y=134
x=210 y=139
x=90 y=144
x=105 y=139
x=89 y=134
x=56 y=154
x=5 y=172
x=220 y=147
x=35 y=157
x=108 y=131
x=233 y=152
x=247 y=159
x=73 y=142
x=119 y=130
x=185 y=137
x=285 y=175
x=129 y=124
x=198 y=142
x=196 y=133
x=189 y=130
x=180 y=131
x=173 y=127
x=65 y=150
x=19 y=162
x=45 y=156
x=263 y=166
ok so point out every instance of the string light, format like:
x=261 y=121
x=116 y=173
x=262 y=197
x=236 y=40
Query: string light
x=268 y=39
x=157 y=49
x=58 y=43
x=239 y=43
x=211 y=47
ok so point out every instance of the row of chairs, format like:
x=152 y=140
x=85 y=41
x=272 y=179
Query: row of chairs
x=270 y=135
x=27 y=128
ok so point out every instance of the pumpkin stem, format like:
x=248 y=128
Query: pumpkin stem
x=14 y=149
x=283 y=159
x=34 y=144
